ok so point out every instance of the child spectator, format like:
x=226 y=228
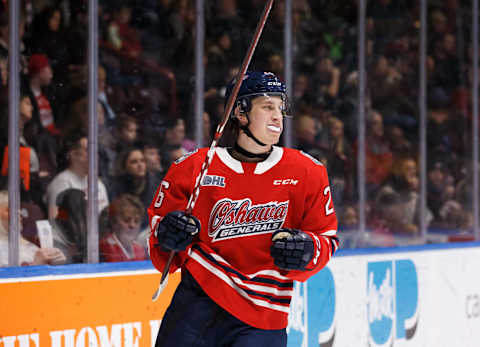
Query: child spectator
x=126 y=213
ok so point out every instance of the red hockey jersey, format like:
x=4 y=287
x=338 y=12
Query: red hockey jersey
x=239 y=207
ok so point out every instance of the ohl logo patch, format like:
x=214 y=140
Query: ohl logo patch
x=237 y=218
x=392 y=302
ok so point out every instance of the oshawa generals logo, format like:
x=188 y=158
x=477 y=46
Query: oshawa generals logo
x=237 y=218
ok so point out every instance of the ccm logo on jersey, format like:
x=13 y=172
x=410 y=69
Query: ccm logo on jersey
x=212 y=180
x=285 y=181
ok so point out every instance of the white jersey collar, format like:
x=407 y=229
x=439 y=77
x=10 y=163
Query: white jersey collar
x=262 y=167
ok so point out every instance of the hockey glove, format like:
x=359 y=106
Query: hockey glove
x=176 y=231
x=291 y=249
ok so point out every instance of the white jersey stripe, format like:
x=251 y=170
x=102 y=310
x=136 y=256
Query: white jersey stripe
x=329 y=233
x=271 y=273
x=265 y=289
x=197 y=257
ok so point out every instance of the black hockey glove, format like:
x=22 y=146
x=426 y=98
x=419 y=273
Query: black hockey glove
x=291 y=249
x=176 y=231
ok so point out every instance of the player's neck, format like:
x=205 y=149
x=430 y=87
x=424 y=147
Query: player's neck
x=244 y=155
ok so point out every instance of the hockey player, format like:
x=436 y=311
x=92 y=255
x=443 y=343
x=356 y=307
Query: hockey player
x=264 y=218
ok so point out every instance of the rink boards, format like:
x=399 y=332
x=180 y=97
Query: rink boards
x=415 y=296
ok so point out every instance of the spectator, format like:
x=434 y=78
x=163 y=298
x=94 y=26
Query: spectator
x=131 y=177
x=339 y=162
x=3 y=72
x=153 y=160
x=189 y=145
x=219 y=55
x=302 y=98
x=4 y=38
x=103 y=90
x=126 y=213
x=49 y=39
x=78 y=118
x=306 y=131
x=29 y=253
x=42 y=131
x=448 y=71
x=121 y=35
x=404 y=182
x=327 y=79
x=175 y=134
x=386 y=219
x=70 y=225
x=379 y=159
x=75 y=175
x=41 y=75
x=440 y=189
x=124 y=134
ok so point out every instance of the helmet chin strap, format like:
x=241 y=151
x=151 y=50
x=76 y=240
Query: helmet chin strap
x=247 y=131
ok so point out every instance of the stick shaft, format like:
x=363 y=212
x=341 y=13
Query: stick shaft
x=221 y=125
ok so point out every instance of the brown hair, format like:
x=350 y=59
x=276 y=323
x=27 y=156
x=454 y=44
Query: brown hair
x=123 y=203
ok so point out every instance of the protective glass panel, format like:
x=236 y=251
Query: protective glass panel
x=392 y=124
x=449 y=123
x=324 y=102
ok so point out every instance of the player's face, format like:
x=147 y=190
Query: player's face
x=266 y=119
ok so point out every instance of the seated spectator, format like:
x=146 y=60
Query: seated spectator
x=349 y=218
x=379 y=159
x=29 y=253
x=4 y=38
x=49 y=38
x=386 y=220
x=32 y=178
x=69 y=227
x=190 y=145
x=302 y=96
x=131 y=177
x=175 y=134
x=42 y=131
x=122 y=135
x=126 y=213
x=3 y=71
x=153 y=160
x=440 y=188
x=306 y=130
x=339 y=161
x=327 y=79
x=75 y=175
x=40 y=76
x=103 y=94
x=121 y=35
x=404 y=182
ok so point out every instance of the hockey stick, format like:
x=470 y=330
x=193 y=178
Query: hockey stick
x=218 y=134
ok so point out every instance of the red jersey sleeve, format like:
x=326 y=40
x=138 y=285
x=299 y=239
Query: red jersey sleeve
x=172 y=195
x=319 y=221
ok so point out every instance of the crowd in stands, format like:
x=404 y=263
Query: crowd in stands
x=146 y=99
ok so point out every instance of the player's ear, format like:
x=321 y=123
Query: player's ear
x=240 y=116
